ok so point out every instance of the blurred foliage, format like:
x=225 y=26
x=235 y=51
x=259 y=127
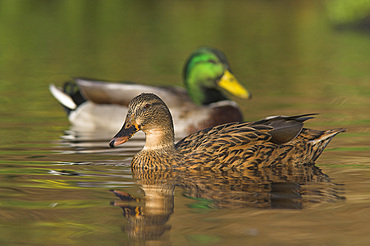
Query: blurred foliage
x=349 y=13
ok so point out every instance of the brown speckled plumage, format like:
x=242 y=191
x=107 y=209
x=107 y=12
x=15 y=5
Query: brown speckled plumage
x=278 y=140
x=239 y=146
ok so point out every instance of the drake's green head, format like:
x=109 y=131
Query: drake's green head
x=206 y=71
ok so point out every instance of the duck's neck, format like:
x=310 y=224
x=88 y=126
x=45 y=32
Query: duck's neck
x=203 y=95
x=159 y=140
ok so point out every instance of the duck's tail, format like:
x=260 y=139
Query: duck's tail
x=70 y=96
x=319 y=144
x=62 y=97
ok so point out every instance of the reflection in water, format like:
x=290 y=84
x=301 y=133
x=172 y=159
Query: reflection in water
x=76 y=141
x=81 y=142
x=147 y=217
x=284 y=187
x=279 y=187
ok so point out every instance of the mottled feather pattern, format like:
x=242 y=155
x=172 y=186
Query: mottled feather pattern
x=155 y=161
x=240 y=146
x=230 y=146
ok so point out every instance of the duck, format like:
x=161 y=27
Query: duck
x=201 y=104
x=269 y=142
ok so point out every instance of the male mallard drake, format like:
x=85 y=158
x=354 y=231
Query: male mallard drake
x=265 y=143
x=202 y=105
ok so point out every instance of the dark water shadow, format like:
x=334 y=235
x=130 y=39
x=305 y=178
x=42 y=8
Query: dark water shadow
x=284 y=187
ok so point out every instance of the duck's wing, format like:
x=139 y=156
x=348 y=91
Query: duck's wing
x=223 y=147
x=266 y=142
x=285 y=128
x=275 y=129
x=224 y=135
x=101 y=92
x=269 y=142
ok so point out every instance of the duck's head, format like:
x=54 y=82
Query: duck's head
x=147 y=112
x=206 y=71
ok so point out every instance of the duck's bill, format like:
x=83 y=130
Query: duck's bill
x=123 y=135
x=231 y=84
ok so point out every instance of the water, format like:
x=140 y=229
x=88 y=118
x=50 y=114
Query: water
x=58 y=186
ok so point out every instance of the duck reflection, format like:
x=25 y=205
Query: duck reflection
x=147 y=216
x=279 y=187
x=77 y=141
x=282 y=187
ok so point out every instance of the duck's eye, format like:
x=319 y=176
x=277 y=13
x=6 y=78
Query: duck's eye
x=212 y=61
x=146 y=106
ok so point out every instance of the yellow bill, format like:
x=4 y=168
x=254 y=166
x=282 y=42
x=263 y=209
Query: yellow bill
x=229 y=83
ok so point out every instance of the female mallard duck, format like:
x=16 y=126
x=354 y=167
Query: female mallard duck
x=265 y=143
x=205 y=73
